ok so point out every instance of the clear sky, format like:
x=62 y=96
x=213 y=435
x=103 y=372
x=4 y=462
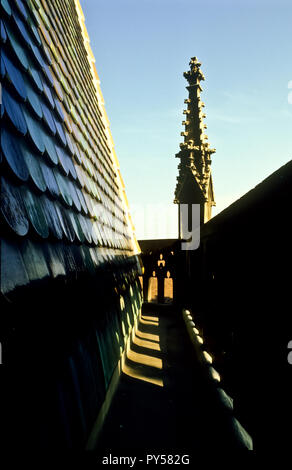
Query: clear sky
x=142 y=48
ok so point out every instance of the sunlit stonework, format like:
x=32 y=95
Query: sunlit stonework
x=194 y=183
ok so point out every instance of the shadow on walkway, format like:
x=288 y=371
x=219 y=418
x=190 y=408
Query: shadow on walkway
x=144 y=360
x=163 y=402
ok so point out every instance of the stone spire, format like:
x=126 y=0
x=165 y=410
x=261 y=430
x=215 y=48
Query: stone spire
x=195 y=152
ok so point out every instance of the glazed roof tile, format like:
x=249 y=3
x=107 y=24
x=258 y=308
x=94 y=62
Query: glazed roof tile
x=12 y=208
x=13 y=111
x=33 y=100
x=13 y=154
x=15 y=77
x=61 y=201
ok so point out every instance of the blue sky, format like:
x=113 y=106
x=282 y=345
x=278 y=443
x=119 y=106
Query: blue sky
x=142 y=48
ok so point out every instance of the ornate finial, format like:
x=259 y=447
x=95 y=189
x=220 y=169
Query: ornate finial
x=195 y=152
x=194 y=75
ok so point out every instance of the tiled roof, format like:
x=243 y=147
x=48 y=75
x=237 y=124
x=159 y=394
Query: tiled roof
x=63 y=206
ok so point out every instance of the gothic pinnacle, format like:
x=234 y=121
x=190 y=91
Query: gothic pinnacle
x=195 y=152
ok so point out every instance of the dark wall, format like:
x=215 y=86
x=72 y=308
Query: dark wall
x=241 y=278
x=61 y=341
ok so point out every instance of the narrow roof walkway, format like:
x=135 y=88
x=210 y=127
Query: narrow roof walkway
x=164 y=402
